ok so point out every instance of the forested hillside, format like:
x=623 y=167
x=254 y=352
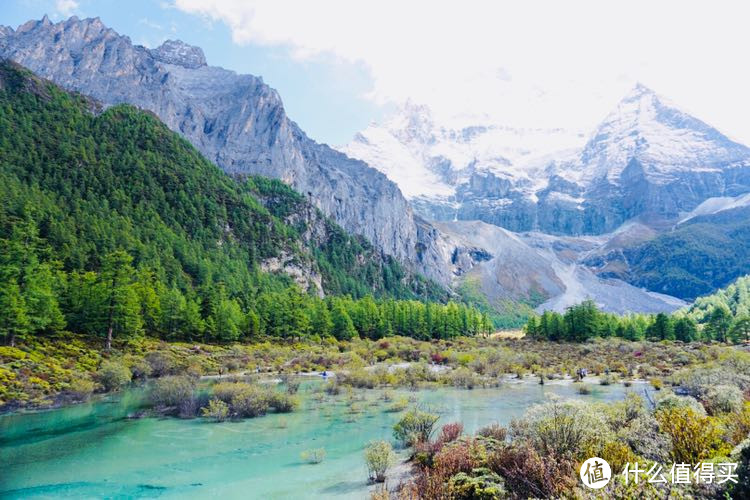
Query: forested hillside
x=112 y=225
x=705 y=253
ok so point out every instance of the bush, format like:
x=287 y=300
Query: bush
x=171 y=391
x=671 y=401
x=451 y=432
x=250 y=402
x=138 y=366
x=399 y=405
x=282 y=402
x=292 y=384
x=314 y=456
x=81 y=388
x=161 y=363
x=583 y=389
x=217 y=410
x=414 y=427
x=379 y=457
x=226 y=391
x=481 y=484
x=694 y=437
x=493 y=431
x=562 y=428
x=723 y=399
x=528 y=475
x=645 y=439
x=113 y=375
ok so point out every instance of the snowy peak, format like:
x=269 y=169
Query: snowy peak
x=431 y=159
x=663 y=138
x=179 y=53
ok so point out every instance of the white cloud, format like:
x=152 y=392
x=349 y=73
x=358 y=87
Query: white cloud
x=65 y=7
x=524 y=63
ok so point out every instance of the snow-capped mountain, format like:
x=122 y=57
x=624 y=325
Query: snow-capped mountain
x=665 y=140
x=646 y=159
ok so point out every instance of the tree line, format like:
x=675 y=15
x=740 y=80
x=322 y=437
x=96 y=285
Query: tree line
x=119 y=301
x=584 y=321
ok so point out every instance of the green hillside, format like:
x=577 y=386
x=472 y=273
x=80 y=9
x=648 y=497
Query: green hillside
x=698 y=257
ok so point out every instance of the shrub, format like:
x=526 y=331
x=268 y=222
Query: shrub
x=250 y=402
x=694 y=437
x=741 y=455
x=481 y=484
x=463 y=378
x=81 y=387
x=583 y=389
x=282 y=402
x=493 y=431
x=161 y=363
x=217 y=410
x=414 y=427
x=657 y=383
x=313 y=456
x=292 y=384
x=379 y=457
x=399 y=405
x=562 y=428
x=171 y=391
x=645 y=439
x=226 y=391
x=450 y=432
x=671 y=401
x=723 y=399
x=462 y=455
x=528 y=475
x=138 y=366
x=113 y=375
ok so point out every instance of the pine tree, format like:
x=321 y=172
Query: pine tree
x=14 y=322
x=121 y=307
x=741 y=328
x=343 y=327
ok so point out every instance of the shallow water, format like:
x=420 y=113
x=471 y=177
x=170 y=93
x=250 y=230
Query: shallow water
x=93 y=451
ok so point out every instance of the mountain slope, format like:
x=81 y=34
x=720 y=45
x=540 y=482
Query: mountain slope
x=236 y=121
x=510 y=274
x=703 y=254
x=93 y=182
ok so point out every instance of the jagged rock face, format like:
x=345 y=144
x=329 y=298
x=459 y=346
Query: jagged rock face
x=237 y=121
x=647 y=159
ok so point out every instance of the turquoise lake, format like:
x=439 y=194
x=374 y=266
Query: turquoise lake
x=94 y=451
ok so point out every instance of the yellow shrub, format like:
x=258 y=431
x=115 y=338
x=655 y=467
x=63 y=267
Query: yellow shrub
x=694 y=437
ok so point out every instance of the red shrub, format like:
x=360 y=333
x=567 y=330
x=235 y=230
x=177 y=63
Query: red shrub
x=451 y=432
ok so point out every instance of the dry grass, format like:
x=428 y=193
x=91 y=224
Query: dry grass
x=508 y=334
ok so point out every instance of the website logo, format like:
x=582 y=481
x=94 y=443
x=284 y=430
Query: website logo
x=595 y=473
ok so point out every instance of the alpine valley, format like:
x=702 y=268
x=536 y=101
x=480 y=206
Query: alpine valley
x=637 y=217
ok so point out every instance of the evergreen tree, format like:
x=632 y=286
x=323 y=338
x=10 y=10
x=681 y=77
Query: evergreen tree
x=719 y=322
x=343 y=327
x=14 y=322
x=685 y=329
x=741 y=328
x=121 y=312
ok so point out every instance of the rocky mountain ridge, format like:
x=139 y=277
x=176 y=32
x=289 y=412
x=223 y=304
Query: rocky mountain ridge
x=236 y=121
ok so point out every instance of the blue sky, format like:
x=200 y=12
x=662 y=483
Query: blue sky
x=323 y=94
